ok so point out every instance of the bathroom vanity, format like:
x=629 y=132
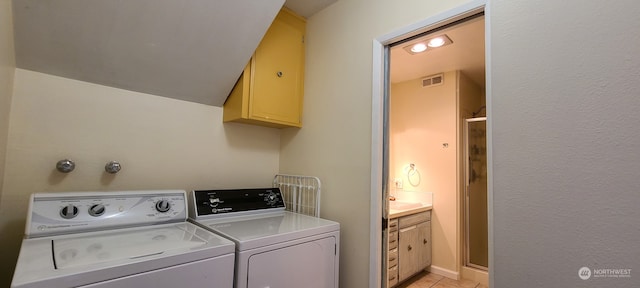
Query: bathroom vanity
x=409 y=242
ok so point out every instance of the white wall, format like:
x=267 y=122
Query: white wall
x=335 y=141
x=422 y=119
x=161 y=143
x=565 y=110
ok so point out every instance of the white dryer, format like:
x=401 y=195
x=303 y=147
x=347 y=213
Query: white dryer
x=119 y=239
x=274 y=248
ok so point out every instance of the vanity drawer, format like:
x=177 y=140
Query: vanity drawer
x=393 y=225
x=393 y=257
x=393 y=240
x=393 y=275
x=414 y=219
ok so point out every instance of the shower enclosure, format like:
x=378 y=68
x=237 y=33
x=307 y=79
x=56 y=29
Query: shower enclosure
x=476 y=229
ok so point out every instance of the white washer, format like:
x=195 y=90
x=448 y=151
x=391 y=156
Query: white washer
x=119 y=239
x=274 y=248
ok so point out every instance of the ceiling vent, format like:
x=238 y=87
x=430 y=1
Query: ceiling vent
x=433 y=80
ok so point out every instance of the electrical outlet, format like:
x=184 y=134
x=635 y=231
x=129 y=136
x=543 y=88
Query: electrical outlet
x=398 y=183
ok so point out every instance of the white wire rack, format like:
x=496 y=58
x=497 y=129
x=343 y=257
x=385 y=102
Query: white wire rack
x=301 y=193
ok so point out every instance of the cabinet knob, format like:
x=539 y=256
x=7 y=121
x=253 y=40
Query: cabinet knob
x=424 y=241
x=279 y=74
x=409 y=248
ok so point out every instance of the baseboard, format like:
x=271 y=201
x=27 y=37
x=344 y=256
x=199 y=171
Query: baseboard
x=475 y=275
x=444 y=272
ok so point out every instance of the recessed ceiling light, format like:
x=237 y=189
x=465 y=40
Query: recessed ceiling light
x=435 y=42
x=419 y=47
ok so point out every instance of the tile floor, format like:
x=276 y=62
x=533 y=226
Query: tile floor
x=430 y=280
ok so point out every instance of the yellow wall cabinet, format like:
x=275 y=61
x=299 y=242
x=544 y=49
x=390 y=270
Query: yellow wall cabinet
x=270 y=90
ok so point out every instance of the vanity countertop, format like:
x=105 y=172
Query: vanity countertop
x=399 y=209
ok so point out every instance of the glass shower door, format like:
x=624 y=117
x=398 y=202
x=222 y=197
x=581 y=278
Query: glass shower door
x=476 y=222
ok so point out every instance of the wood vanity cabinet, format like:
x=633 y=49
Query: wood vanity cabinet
x=392 y=256
x=270 y=90
x=413 y=245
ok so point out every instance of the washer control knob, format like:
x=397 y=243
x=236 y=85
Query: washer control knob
x=163 y=206
x=96 y=210
x=271 y=198
x=69 y=211
x=214 y=202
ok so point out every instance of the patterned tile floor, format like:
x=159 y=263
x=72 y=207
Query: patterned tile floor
x=430 y=280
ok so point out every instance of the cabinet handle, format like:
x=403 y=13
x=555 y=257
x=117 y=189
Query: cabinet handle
x=279 y=74
x=409 y=248
x=424 y=241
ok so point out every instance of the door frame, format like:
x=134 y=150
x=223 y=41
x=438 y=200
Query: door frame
x=379 y=126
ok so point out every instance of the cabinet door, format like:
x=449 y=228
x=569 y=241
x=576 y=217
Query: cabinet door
x=278 y=72
x=407 y=256
x=424 y=239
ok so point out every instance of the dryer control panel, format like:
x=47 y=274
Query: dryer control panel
x=63 y=213
x=245 y=201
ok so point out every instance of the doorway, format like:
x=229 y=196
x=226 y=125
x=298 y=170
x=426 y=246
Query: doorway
x=383 y=181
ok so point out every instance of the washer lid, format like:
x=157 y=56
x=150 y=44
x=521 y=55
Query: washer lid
x=121 y=245
x=255 y=231
x=84 y=258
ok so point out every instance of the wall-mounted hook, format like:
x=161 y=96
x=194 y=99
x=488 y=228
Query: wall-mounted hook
x=65 y=166
x=112 y=167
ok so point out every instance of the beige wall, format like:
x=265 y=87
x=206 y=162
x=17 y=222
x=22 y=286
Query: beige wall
x=161 y=143
x=553 y=212
x=421 y=120
x=7 y=67
x=335 y=142
x=470 y=99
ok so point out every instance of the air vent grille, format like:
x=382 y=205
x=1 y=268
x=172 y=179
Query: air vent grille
x=433 y=80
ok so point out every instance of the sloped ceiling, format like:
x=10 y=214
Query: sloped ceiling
x=306 y=8
x=193 y=50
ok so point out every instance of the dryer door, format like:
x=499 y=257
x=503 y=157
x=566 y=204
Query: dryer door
x=310 y=264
